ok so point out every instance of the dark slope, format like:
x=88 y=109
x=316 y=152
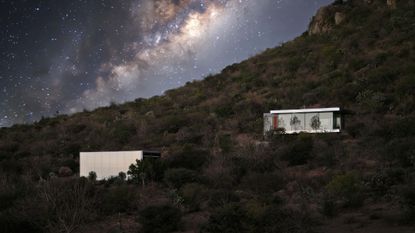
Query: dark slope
x=357 y=56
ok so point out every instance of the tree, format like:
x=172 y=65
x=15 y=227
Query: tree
x=146 y=169
x=122 y=176
x=295 y=122
x=137 y=172
x=315 y=122
x=92 y=176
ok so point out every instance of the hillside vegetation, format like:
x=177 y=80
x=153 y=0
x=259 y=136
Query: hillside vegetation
x=217 y=172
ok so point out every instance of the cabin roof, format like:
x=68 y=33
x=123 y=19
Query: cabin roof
x=305 y=110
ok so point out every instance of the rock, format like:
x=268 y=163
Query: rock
x=65 y=172
x=391 y=4
x=339 y=18
x=320 y=22
x=150 y=114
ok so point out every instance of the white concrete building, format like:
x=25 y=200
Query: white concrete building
x=311 y=120
x=110 y=163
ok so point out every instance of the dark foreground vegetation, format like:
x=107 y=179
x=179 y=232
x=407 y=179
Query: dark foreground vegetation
x=217 y=174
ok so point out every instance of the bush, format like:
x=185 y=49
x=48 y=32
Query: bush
x=328 y=207
x=188 y=157
x=177 y=177
x=10 y=223
x=347 y=188
x=117 y=199
x=382 y=180
x=63 y=204
x=299 y=152
x=228 y=219
x=224 y=111
x=72 y=164
x=193 y=195
x=276 y=219
x=225 y=143
x=12 y=190
x=401 y=150
x=222 y=197
x=404 y=127
x=408 y=203
x=262 y=183
x=122 y=132
x=160 y=219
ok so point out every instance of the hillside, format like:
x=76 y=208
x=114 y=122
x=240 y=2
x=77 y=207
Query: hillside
x=218 y=173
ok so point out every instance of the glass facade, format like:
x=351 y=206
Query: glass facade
x=284 y=121
x=306 y=121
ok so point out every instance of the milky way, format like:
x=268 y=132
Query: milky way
x=60 y=57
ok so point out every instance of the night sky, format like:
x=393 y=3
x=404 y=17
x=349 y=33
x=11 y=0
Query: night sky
x=65 y=56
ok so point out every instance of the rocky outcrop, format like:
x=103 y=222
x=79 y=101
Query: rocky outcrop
x=339 y=18
x=325 y=20
x=391 y=4
x=321 y=22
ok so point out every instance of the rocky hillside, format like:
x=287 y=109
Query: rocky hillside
x=218 y=174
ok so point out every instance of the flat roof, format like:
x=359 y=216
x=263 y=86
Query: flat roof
x=304 y=110
x=146 y=153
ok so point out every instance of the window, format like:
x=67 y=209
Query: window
x=337 y=121
x=312 y=121
x=326 y=119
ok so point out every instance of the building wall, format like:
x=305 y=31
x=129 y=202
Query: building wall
x=107 y=164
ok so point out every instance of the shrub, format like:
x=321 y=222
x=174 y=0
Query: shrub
x=404 y=127
x=228 y=219
x=188 y=157
x=222 y=197
x=117 y=199
x=383 y=179
x=276 y=219
x=299 y=152
x=408 y=203
x=72 y=164
x=401 y=150
x=172 y=123
x=65 y=172
x=224 y=111
x=347 y=188
x=262 y=183
x=11 y=190
x=71 y=149
x=177 y=177
x=122 y=132
x=225 y=143
x=328 y=207
x=64 y=204
x=160 y=219
x=92 y=176
x=10 y=223
x=193 y=195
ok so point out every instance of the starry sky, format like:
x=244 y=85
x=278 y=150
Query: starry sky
x=64 y=56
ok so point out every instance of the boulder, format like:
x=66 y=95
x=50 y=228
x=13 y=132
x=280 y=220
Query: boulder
x=339 y=17
x=150 y=114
